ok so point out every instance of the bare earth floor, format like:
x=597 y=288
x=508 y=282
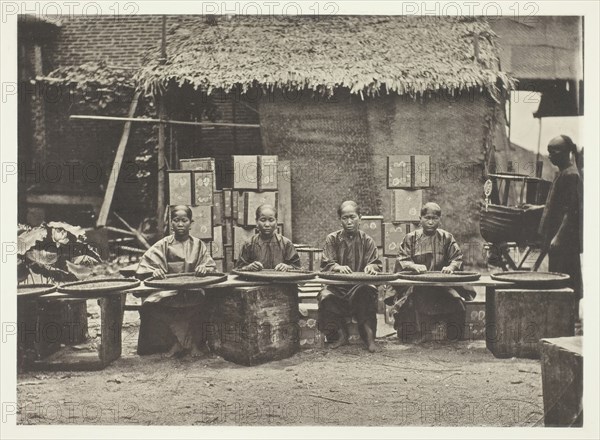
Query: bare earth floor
x=430 y=384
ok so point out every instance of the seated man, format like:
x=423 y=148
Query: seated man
x=428 y=249
x=349 y=250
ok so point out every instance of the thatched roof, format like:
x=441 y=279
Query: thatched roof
x=367 y=54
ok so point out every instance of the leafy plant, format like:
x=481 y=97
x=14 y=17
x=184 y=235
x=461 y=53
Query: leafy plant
x=55 y=251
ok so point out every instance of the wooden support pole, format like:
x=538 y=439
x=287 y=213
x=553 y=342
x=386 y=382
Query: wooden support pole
x=116 y=168
x=160 y=201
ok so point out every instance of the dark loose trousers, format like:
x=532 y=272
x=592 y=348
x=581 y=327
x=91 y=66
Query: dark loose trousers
x=340 y=304
x=167 y=317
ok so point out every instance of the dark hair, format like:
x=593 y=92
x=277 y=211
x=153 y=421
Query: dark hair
x=571 y=146
x=346 y=203
x=263 y=206
x=187 y=209
x=433 y=207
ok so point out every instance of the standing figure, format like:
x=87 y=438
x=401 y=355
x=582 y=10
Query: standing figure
x=268 y=249
x=429 y=248
x=174 y=319
x=561 y=225
x=349 y=250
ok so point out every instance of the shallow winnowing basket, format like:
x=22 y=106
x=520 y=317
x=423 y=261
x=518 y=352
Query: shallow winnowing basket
x=499 y=224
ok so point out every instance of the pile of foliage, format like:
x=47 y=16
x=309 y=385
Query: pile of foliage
x=54 y=251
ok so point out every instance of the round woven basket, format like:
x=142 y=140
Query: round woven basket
x=275 y=275
x=533 y=279
x=99 y=285
x=35 y=289
x=436 y=276
x=358 y=277
x=186 y=280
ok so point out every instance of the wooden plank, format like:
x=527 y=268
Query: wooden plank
x=116 y=169
x=562 y=381
x=111 y=321
x=63 y=199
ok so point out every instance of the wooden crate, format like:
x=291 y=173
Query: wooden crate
x=408 y=171
x=251 y=201
x=218 y=208
x=474 y=326
x=406 y=205
x=372 y=225
x=267 y=173
x=202 y=227
x=392 y=238
x=245 y=172
x=310 y=258
x=206 y=164
x=228 y=260
x=203 y=188
x=181 y=189
x=516 y=319
x=562 y=381
x=227 y=204
x=253 y=325
x=240 y=236
x=216 y=245
x=228 y=231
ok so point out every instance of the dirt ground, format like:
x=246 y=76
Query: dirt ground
x=429 y=384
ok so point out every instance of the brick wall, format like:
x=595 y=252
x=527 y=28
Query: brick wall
x=121 y=42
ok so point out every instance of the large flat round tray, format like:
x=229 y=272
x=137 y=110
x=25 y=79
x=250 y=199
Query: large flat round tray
x=275 y=275
x=533 y=279
x=186 y=280
x=439 y=277
x=358 y=277
x=99 y=285
x=35 y=289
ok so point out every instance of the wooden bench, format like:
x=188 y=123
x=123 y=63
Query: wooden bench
x=111 y=321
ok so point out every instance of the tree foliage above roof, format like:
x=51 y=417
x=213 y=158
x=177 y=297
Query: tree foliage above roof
x=367 y=54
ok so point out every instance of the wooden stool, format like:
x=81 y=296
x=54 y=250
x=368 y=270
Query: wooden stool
x=44 y=326
x=516 y=319
x=111 y=321
x=562 y=381
x=252 y=325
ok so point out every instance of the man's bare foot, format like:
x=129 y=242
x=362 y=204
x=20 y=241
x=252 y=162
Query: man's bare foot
x=175 y=350
x=342 y=340
x=370 y=340
x=339 y=343
x=196 y=352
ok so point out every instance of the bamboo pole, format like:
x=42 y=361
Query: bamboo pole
x=164 y=120
x=116 y=169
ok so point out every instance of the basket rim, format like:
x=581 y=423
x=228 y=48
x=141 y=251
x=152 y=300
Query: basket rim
x=273 y=275
x=43 y=289
x=169 y=281
x=336 y=276
x=72 y=287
